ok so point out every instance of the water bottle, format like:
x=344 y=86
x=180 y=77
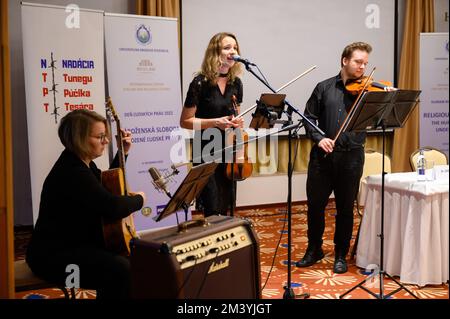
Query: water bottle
x=421 y=166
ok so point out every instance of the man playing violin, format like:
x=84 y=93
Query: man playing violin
x=334 y=165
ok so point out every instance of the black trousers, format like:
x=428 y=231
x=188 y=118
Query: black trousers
x=340 y=172
x=99 y=269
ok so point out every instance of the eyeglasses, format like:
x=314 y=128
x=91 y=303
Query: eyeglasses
x=360 y=62
x=101 y=137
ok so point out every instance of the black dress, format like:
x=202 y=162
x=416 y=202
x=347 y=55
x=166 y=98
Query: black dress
x=69 y=229
x=211 y=103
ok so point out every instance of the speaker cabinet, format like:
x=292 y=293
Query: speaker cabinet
x=217 y=259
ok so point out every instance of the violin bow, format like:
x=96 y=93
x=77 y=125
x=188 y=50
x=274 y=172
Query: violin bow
x=285 y=85
x=350 y=113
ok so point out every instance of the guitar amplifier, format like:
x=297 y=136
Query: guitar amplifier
x=215 y=259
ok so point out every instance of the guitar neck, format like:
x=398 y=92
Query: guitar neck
x=121 y=154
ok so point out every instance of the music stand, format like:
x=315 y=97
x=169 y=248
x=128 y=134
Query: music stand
x=268 y=110
x=288 y=126
x=189 y=189
x=382 y=110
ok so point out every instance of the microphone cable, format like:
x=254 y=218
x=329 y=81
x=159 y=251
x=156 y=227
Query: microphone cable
x=187 y=278
x=275 y=253
x=206 y=274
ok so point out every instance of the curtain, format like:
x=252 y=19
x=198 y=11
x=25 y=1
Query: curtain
x=159 y=8
x=6 y=181
x=419 y=17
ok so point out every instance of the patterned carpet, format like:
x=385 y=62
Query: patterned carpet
x=318 y=281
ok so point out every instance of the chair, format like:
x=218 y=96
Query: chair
x=373 y=164
x=431 y=154
x=25 y=280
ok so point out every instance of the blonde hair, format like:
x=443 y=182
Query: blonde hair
x=211 y=61
x=75 y=129
x=349 y=49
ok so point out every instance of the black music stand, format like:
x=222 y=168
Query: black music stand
x=287 y=126
x=381 y=110
x=268 y=112
x=189 y=189
x=269 y=108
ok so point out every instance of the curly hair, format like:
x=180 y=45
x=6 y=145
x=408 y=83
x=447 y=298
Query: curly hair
x=211 y=61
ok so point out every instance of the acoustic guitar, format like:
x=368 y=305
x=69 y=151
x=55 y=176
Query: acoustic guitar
x=117 y=233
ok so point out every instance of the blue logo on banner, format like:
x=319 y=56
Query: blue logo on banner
x=143 y=34
x=160 y=208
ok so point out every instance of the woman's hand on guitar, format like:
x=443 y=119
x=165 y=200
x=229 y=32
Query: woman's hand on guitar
x=326 y=144
x=144 y=198
x=126 y=140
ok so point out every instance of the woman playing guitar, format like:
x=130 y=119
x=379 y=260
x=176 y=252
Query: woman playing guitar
x=74 y=204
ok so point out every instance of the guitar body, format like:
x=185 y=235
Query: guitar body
x=117 y=233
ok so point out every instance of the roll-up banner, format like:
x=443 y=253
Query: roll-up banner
x=434 y=85
x=143 y=75
x=64 y=71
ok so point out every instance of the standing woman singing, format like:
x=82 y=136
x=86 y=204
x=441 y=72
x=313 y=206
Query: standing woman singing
x=208 y=109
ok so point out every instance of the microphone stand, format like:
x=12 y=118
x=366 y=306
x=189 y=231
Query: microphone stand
x=175 y=171
x=288 y=291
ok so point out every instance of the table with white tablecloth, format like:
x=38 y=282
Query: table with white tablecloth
x=416 y=224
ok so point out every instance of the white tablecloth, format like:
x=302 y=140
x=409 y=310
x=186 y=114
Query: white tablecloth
x=416 y=223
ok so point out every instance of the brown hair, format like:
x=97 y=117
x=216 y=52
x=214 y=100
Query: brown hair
x=349 y=49
x=75 y=128
x=211 y=61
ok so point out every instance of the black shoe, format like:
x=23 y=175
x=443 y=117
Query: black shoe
x=340 y=265
x=311 y=257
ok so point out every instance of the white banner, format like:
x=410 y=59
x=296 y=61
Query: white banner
x=64 y=70
x=434 y=85
x=145 y=89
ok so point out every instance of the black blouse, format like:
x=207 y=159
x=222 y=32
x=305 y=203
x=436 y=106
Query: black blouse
x=208 y=99
x=73 y=203
x=211 y=103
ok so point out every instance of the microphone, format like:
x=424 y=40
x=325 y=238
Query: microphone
x=273 y=116
x=159 y=181
x=237 y=58
x=175 y=166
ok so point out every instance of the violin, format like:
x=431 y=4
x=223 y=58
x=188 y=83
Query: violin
x=366 y=83
x=358 y=87
x=241 y=167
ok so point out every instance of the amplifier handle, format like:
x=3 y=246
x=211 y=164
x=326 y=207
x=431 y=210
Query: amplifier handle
x=191 y=223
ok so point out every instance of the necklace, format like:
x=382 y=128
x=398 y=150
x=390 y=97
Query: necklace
x=223 y=75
